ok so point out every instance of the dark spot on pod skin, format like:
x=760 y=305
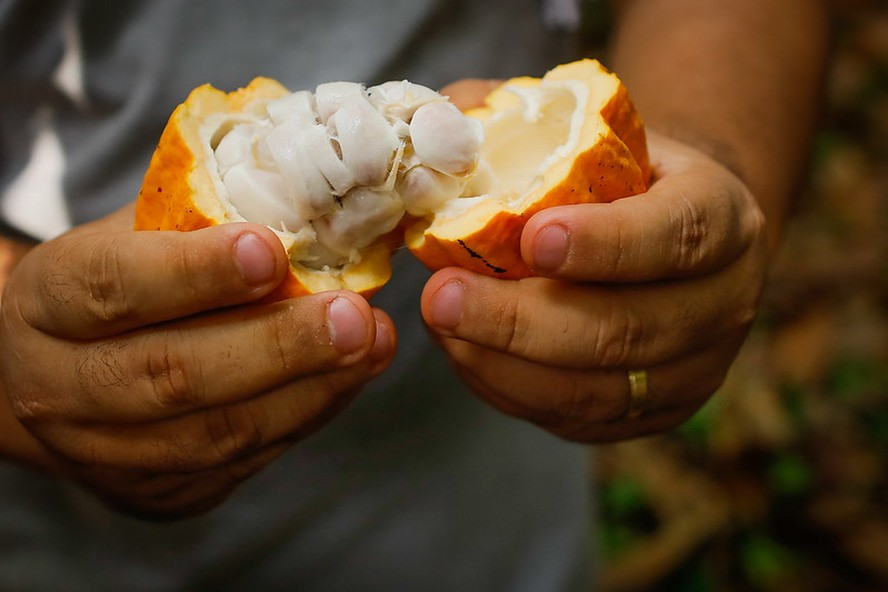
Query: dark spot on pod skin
x=474 y=255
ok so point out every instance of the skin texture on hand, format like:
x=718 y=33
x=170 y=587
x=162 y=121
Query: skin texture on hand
x=739 y=79
x=667 y=281
x=142 y=367
x=138 y=364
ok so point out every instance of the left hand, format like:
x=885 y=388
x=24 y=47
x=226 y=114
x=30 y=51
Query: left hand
x=666 y=281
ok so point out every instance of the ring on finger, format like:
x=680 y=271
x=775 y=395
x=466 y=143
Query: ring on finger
x=638 y=393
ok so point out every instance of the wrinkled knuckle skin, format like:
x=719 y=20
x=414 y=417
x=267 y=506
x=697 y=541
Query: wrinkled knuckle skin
x=510 y=333
x=233 y=432
x=745 y=316
x=616 y=342
x=57 y=289
x=172 y=378
x=108 y=298
x=42 y=285
x=281 y=335
x=31 y=410
x=693 y=230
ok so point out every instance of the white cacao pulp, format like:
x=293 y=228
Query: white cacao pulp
x=338 y=168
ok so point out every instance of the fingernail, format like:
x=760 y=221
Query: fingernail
x=447 y=305
x=254 y=259
x=550 y=248
x=348 y=329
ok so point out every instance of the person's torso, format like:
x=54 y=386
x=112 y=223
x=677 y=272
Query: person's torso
x=417 y=485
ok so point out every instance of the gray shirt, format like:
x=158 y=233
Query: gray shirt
x=418 y=485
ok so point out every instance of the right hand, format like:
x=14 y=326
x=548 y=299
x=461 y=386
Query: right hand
x=140 y=366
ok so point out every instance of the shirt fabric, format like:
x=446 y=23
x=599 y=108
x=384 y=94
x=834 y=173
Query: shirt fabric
x=417 y=485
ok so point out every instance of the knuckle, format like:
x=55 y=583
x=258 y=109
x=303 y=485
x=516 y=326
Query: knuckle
x=745 y=315
x=54 y=260
x=617 y=339
x=233 y=431
x=753 y=222
x=30 y=410
x=43 y=287
x=108 y=299
x=511 y=327
x=173 y=377
x=57 y=289
x=280 y=336
x=692 y=228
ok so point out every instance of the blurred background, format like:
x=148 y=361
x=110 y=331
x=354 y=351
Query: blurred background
x=781 y=481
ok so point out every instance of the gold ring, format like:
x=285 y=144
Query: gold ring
x=638 y=393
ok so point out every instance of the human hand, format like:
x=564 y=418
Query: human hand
x=666 y=281
x=141 y=366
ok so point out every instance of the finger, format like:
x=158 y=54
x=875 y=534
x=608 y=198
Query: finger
x=95 y=284
x=202 y=362
x=585 y=405
x=585 y=432
x=696 y=218
x=469 y=92
x=216 y=437
x=168 y=497
x=655 y=422
x=385 y=342
x=581 y=327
